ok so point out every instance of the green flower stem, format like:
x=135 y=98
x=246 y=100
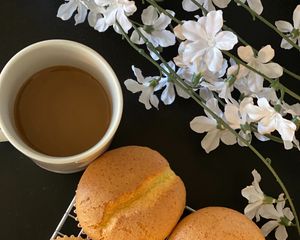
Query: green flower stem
x=266 y=22
x=243 y=41
x=272 y=81
x=180 y=82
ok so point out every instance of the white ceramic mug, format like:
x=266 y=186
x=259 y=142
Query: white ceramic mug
x=40 y=56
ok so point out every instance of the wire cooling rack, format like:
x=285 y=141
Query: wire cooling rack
x=68 y=225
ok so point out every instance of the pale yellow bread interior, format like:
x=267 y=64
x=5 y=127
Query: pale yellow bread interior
x=216 y=223
x=129 y=193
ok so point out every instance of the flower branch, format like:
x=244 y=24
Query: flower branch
x=266 y=22
x=243 y=41
x=201 y=101
x=277 y=85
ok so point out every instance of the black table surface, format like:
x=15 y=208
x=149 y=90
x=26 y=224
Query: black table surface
x=33 y=200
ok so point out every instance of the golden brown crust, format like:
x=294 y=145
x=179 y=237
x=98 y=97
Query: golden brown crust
x=216 y=223
x=129 y=193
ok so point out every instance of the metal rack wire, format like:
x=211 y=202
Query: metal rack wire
x=68 y=224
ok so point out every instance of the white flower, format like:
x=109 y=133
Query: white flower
x=261 y=63
x=293 y=32
x=115 y=11
x=147 y=86
x=270 y=120
x=95 y=13
x=155 y=28
x=255 y=5
x=237 y=118
x=215 y=132
x=281 y=218
x=168 y=95
x=67 y=9
x=189 y=6
x=256 y=198
x=205 y=40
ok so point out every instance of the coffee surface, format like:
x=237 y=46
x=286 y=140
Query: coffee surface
x=62 y=111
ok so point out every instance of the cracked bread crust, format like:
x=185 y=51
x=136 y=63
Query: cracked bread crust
x=129 y=193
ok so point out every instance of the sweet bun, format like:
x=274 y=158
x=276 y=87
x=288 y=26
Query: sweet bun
x=129 y=193
x=216 y=223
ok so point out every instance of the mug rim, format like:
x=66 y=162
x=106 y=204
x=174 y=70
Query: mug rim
x=114 y=123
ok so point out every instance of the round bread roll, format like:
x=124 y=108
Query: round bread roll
x=69 y=238
x=216 y=223
x=129 y=193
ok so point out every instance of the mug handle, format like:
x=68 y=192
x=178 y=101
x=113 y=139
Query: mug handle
x=2 y=137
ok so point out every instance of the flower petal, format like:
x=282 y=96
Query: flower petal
x=154 y=101
x=281 y=233
x=129 y=7
x=163 y=20
x=254 y=112
x=192 y=30
x=226 y=40
x=149 y=15
x=101 y=25
x=221 y=3
x=93 y=18
x=256 y=6
x=271 y=70
x=211 y=141
x=246 y=53
x=203 y=124
x=208 y=5
x=135 y=37
x=206 y=94
x=268 y=211
x=284 y=26
x=181 y=92
x=261 y=138
x=189 y=6
x=81 y=14
x=213 y=105
x=252 y=195
x=286 y=45
x=269 y=227
x=66 y=10
x=251 y=209
x=256 y=181
x=133 y=86
x=286 y=129
x=255 y=82
x=145 y=97
x=214 y=59
x=266 y=54
x=138 y=73
x=214 y=23
x=178 y=32
x=288 y=213
x=228 y=137
x=296 y=17
x=232 y=116
x=164 y=38
x=123 y=21
x=168 y=95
